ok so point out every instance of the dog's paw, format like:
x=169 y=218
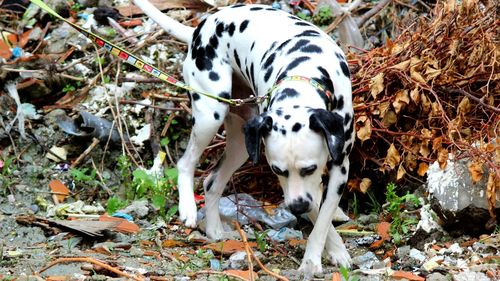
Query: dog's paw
x=340 y=257
x=187 y=213
x=310 y=266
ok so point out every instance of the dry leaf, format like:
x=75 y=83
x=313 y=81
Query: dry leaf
x=432 y=73
x=401 y=172
x=492 y=187
x=424 y=149
x=442 y=158
x=365 y=129
x=403 y=66
x=172 y=243
x=392 y=159
x=415 y=95
x=123 y=226
x=426 y=104
x=464 y=107
x=383 y=107
x=383 y=231
x=402 y=99
x=245 y=274
x=229 y=247
x=476 y=171
x=414 y=72
x=422 y=169
x=60 y=190
x=389 y=119
x=365 y=184
x=377 y=85
x=397 y=274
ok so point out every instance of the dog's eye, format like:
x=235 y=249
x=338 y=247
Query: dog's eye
x=279 y=172
x=308 y=170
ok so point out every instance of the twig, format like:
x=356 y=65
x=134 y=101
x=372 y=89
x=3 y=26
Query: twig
x=209 y=272
x=460 y=91
x=247 y=249
x=150 y=105
x=245 y=241
x=94 y=261
x=85 y=153
x=377 y=8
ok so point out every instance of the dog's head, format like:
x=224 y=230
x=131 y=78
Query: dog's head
x=298 y=142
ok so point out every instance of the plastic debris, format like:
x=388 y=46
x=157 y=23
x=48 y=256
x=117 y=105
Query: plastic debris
x=284 y=234
x=89 y=125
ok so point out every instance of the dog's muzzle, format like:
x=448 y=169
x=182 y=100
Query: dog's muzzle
x=300 y=206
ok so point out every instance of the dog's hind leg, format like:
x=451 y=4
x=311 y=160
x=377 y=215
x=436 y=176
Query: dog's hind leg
x=234 y=156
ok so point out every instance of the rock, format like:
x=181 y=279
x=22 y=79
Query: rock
x=417 y=255
x=238 y=260
x=403 y=251
x=470 y=275
x=456 y=200
x=437 y=277
x=366 y=260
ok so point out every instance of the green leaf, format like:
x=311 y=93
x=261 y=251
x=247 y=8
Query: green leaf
x=158 y=201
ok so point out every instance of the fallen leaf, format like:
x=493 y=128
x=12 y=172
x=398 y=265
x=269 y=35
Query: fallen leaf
x=229 y=247
x=365 y=184
x=403 y=66
x=422 y=169
x=245 y=274
x=172 y=243
x=124 y=226
x=296 y=242
x=336 y=276
x=476 y=171
x=59 y=189
x=401 y=172
x=424 y=149
x=492 y=187
x=415 y=95
x=401 y=100
x=365 y=128
x=383 y=230
x=464 y=107
x=377 y=85
x=392 y=159
x=442 y=158
x=389 y=118
x=397 y=274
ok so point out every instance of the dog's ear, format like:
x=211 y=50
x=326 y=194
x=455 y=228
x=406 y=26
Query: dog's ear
x=255 y=129
x=331 y=125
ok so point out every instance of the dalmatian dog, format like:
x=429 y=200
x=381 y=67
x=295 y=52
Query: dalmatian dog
x=305 y=120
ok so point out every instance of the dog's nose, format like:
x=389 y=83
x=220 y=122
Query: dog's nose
x=299 y=206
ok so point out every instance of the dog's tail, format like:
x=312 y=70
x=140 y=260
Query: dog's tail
x=173 y=27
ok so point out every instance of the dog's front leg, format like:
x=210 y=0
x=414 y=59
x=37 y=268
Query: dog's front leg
x=323 y=228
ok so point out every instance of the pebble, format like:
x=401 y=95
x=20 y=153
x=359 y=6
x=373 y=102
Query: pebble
x=417 y=255
x=365 y=261
x=470 y=275
x=238 y=260
x=437 y=277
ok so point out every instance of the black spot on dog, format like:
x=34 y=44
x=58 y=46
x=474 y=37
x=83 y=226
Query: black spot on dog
x=349 y=148
x=256 y=8
x=325 y=180
x=326 y=80
x=269 y=61
x=340 y=103
x=271 y=9
x=267 y=52
x=253 y=45
x=296 y=62
x=231 y=28
x=345 y=69
x=269 y=71
x=339 y=56
x=329 y=165
x=296 y=127
x=244 y=25
x=343 y=170
x=252 y=74
x=347 y=119
x=340 y=159
x=196 y=32
x=308 y=33
x=296 y=106
x=282 y=45
x=301 y=43
x=214 y=41
x=309 y=196
x=216 y=115
x=195 y=96
x=348 y=133
x=287 y=116
x=312 y=49
x=224 y=95
x=275 y=127
x=238 y=5
x=341 y=188
x=283 y=132
x=279 y=111
x=213 y=76
x=192 y=73
x=237 y=59
x=228 y=45
x=302 y=23
x=287 y=93
x=209 y=184
x=337 y=72
x=219 y=29
x=193 y=121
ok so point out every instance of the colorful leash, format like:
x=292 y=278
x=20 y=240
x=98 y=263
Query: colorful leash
x=140 y=64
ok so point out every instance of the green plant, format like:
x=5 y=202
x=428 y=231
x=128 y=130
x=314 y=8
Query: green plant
x=114 y=204
x=374 y=204
x=346 y=274
x=84 y=175
x=323 y=17
x=400 y=223
x=6 y=172
x=68 y=88
x=260 y=237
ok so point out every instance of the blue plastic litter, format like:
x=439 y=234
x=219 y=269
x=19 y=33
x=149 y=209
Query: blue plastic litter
x=123 y=216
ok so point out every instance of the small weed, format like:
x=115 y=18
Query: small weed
x=374 y=204
x=347 y=274
x=260 y=237
x=68 y=88
x=399 y=224
x=84 y=175
x=324 y=16
x=6 y=172
x=114 y=204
